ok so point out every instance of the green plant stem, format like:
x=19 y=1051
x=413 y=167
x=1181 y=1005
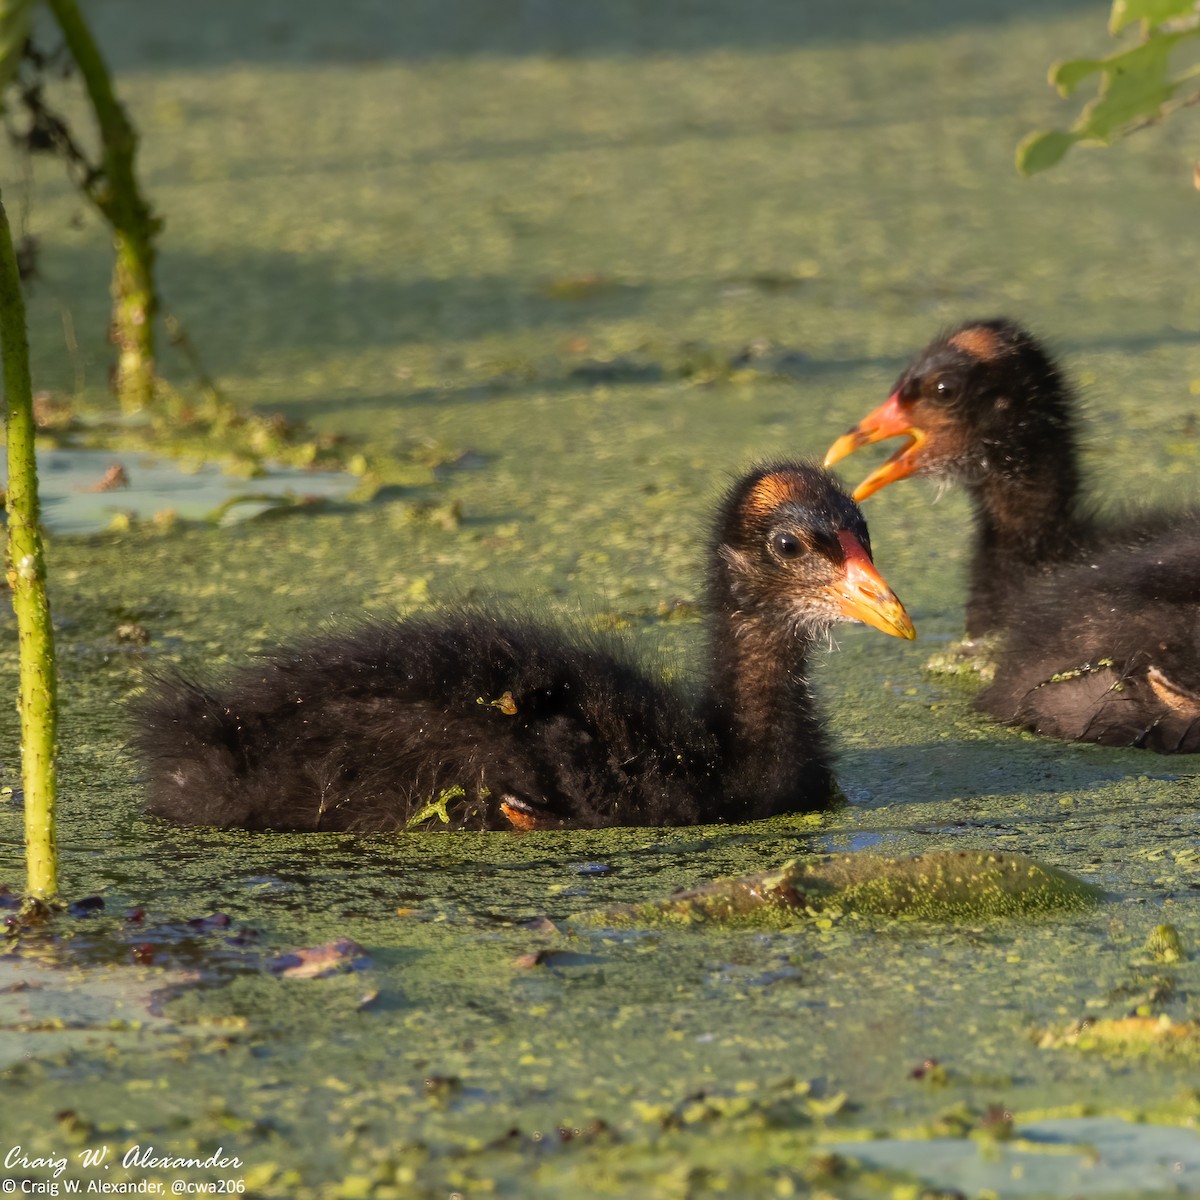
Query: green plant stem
x=27 y=579
x=133 y=223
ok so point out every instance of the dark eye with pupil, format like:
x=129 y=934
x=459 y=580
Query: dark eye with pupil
x=941 y=387
x=786 y=545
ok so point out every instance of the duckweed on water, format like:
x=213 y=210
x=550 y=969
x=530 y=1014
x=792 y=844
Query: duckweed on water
x=970 y=658
x=939 y=886
x=1129 y=1037
x=830 y=201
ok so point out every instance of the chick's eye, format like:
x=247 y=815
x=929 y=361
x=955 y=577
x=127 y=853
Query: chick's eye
x=786 y=545
x=941 y=389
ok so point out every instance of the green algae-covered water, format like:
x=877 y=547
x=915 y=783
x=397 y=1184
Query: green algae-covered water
x=592 y=260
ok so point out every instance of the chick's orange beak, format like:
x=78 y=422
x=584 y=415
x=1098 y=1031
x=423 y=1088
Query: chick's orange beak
x=888 y=420
x=863 y=596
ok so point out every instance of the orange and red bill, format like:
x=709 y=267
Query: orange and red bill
x=887 y=421
x=863 y=596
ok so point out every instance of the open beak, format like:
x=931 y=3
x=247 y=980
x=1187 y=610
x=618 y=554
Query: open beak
x=863 y=596
x=888 y=420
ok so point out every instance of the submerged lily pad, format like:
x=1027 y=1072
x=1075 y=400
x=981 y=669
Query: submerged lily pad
x=78 y=494
x=942 y=886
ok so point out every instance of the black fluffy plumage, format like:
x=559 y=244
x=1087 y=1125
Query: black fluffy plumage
x=1097 y=621
x=1107 y=650
x=508 y=724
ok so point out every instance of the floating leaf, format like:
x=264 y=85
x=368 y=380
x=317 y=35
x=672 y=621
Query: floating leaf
x=315 y=962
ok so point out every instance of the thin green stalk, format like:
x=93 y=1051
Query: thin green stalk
x=134 y=225
x=27 y=579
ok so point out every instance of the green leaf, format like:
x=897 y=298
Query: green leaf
x=1042 y=150
x=1067 y=76
x=1154 y=12
x=16 y=17
x=1134 y=88
x=435 y=808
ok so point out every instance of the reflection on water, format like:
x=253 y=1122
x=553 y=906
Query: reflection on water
x=840 y=843
x=1092 y=1156
x=81 y=491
